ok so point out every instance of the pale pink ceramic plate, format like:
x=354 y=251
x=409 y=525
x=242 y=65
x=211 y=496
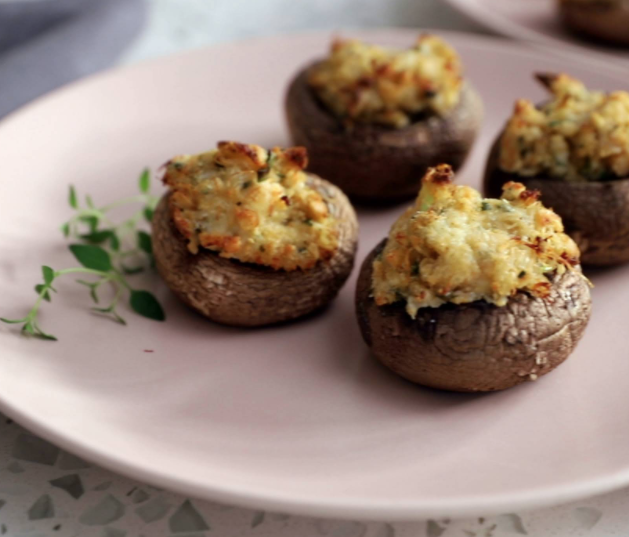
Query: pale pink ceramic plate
x=295 y=418
x=537 y=21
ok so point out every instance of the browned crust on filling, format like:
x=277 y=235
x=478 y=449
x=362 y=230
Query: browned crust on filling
x=240 y=294
x=375 y=163
x=595 y=213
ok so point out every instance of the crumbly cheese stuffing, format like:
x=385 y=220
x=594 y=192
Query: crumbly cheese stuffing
x=578 y=135
x=454 y=246
x=253 y=205
x=366 y=83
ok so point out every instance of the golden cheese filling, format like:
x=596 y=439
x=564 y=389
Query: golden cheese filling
x=454 y=246
x=253 y=205
x=366 y=83
x=578 y=135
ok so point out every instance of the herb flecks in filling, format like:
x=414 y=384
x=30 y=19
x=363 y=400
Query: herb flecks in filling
x=453 y=246
x=366 y=83
x=578 y=135
x=253 y=205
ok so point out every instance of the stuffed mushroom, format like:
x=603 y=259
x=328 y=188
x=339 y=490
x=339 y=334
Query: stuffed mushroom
x=246 y=237
x=470 y=294
x=603 y=20
x=374 y=119
x=574 y=148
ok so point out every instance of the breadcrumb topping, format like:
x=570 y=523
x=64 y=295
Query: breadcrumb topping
x=253 y=205
x=578 y=135
x=360 y=82
x=453 y=246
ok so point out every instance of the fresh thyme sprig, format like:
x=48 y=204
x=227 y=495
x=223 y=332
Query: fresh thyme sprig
x=107 y=247
x=125 y=242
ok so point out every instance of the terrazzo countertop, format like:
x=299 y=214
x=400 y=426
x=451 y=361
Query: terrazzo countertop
x=45 y=491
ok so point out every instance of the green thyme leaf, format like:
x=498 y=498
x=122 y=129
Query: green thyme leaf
x=92 y=287
x=40 y=334
x=148 y=214
x=145 y=181
x=118 y=319
x=144 y=242
x=132 y=270
x=65 y=229
x=97 y=237
x=47 y=336
x=72 y=198
x=28 y=329
x=145 y=304
x=91 y=221
x=49 y=274
x=111 y=312
x=41 y=287
x=114 y=242
x=92 y=257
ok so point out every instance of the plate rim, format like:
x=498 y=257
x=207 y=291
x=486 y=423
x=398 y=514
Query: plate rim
x=393 y=511
x=283 y=502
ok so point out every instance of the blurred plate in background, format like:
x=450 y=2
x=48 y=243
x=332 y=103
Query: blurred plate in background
x=537 y=21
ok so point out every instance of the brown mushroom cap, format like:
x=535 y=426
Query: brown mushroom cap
x=476 y=347
x=595 y=213
x=375 y=163
x=243 y=294
x=600 y=21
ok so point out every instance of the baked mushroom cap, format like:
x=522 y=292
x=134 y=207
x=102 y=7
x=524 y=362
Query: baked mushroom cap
x=244 y=294
x=376 y=163
x=595 y=213
x=475 y=347
x=602 y=20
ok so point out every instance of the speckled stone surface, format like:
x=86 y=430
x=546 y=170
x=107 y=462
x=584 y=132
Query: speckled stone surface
x=45 y=491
